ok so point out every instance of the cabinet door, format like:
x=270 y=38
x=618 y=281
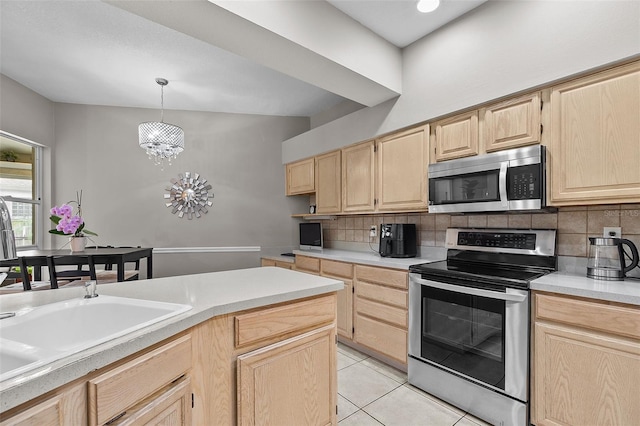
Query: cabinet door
x=511 y=124
x=170 y=407
x=595 y=140
x=457 y=136
x=328 y=183
x=301 y=177
x=358 y=168
x=308 y=264
x=403 y=160
x=290 y=383
x=267 y=262
x=585 y=378
x=341 y=271
x=67 y=407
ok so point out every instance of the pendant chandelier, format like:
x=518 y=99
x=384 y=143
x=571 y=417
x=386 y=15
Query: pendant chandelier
x=161 y=140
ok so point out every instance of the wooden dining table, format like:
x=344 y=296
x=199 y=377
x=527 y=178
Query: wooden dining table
x=117 y=256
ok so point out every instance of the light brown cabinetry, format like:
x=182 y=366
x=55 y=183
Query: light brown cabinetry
x=276 y=263
x=381 y=311
x=291 y=382
x=301 y=177
x=308 y=264
x=358 y=174
x=402 y=170
x=147 y=379
x=68 y=406
x=328 y=183
x=456 y=137
x=595 y=141
x=511 y=124
x=342 y=271
x=586 y=362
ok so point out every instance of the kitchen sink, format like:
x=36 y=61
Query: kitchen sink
x=50 y=332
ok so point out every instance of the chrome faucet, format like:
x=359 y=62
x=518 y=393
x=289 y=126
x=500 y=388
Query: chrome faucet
x=90 y=288
x=4 y=315
x=7 y=237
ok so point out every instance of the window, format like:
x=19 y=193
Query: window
x=20 y=177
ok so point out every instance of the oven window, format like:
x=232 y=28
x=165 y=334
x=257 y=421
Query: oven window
x=467 y=188
x=464 y=333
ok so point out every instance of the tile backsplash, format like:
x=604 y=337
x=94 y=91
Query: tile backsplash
x=574 y=225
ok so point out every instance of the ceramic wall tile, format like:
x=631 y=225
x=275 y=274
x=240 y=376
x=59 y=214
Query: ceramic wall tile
x=443 y=221
x=519 y=221
x=478 y=221
x=544 y=221
x=572 y=222
x=572 y=245
x=427 y=222
x=497 y=221
x=598 y=219
x=459 y=221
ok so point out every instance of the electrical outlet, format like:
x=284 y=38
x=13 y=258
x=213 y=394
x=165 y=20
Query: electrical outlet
x=612 y=232
x=373 y=231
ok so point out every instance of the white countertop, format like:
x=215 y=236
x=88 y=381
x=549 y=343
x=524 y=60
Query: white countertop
x=369 y=258
x=627 y=291
x=210 y=294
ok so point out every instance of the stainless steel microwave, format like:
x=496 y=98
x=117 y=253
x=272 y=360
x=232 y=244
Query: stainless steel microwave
x=501 y=181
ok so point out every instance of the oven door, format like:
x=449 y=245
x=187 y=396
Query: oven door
x=478 y=334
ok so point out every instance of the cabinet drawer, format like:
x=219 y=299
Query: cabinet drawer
x=115 y=391
x=610 y=318
x=336 y=269
x=388 y=277
x=307 y=264
x=382 y=312
x=384 y=338
x=268 y=323
x=382 y=294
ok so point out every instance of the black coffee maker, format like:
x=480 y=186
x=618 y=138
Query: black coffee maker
x=398 y=240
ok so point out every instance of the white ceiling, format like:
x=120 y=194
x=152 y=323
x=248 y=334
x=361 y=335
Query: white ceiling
x=110 y=52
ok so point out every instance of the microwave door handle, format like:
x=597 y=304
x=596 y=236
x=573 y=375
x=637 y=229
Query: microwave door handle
x=502 y=182
x=471 y=290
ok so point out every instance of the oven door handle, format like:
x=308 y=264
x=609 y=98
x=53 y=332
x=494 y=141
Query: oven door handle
x=502 y=183
x=509 y=297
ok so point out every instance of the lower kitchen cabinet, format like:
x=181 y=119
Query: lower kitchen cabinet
x=290 y=382
x=586 y=362
x=146 y=389
x=381 y=311
x=269 y=365
x=68 y=406
x=276 y=263
x=341 y=271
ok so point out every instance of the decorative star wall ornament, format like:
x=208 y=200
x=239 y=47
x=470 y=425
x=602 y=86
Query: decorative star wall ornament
x=189 y=195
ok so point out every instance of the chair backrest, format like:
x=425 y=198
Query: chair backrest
x=54 y=261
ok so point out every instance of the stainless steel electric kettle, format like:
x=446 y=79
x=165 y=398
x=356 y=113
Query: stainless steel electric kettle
x=607 y=258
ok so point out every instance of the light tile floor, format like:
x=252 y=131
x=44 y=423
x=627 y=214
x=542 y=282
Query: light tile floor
x=372 y=393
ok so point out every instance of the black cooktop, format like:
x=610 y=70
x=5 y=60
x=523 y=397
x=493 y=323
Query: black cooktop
x=450 y=271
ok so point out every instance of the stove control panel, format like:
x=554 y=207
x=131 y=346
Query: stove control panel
x=512 y=240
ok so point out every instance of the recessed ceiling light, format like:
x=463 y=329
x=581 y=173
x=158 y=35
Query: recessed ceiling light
x=426 y=6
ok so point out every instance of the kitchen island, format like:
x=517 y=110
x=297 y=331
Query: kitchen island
x=234 y=315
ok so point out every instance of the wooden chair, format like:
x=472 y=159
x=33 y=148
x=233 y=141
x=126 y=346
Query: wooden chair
x=62 y=279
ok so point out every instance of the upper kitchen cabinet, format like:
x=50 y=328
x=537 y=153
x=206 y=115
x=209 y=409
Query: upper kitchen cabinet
x=403 y=160
x=511 y=124
x=358 y=168
x=301 y=177
x=328 y=183
x=595 y=139
x=456 y=136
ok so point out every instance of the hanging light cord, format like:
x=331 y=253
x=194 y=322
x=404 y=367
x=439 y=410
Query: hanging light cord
x=162 y=103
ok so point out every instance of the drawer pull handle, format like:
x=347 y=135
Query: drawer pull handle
x=116 y=418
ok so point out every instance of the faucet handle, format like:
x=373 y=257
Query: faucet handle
x=90 y=288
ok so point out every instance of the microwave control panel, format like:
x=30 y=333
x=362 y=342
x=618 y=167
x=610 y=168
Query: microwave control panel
x=525 y=182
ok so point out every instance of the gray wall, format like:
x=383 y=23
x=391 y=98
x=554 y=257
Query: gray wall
x=500 y=48
x=97 y=151
x=29 y=115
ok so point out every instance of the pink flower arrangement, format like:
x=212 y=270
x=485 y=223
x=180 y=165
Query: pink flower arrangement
x=68 y=223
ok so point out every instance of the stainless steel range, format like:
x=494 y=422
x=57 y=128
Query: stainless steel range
x=469 y=320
